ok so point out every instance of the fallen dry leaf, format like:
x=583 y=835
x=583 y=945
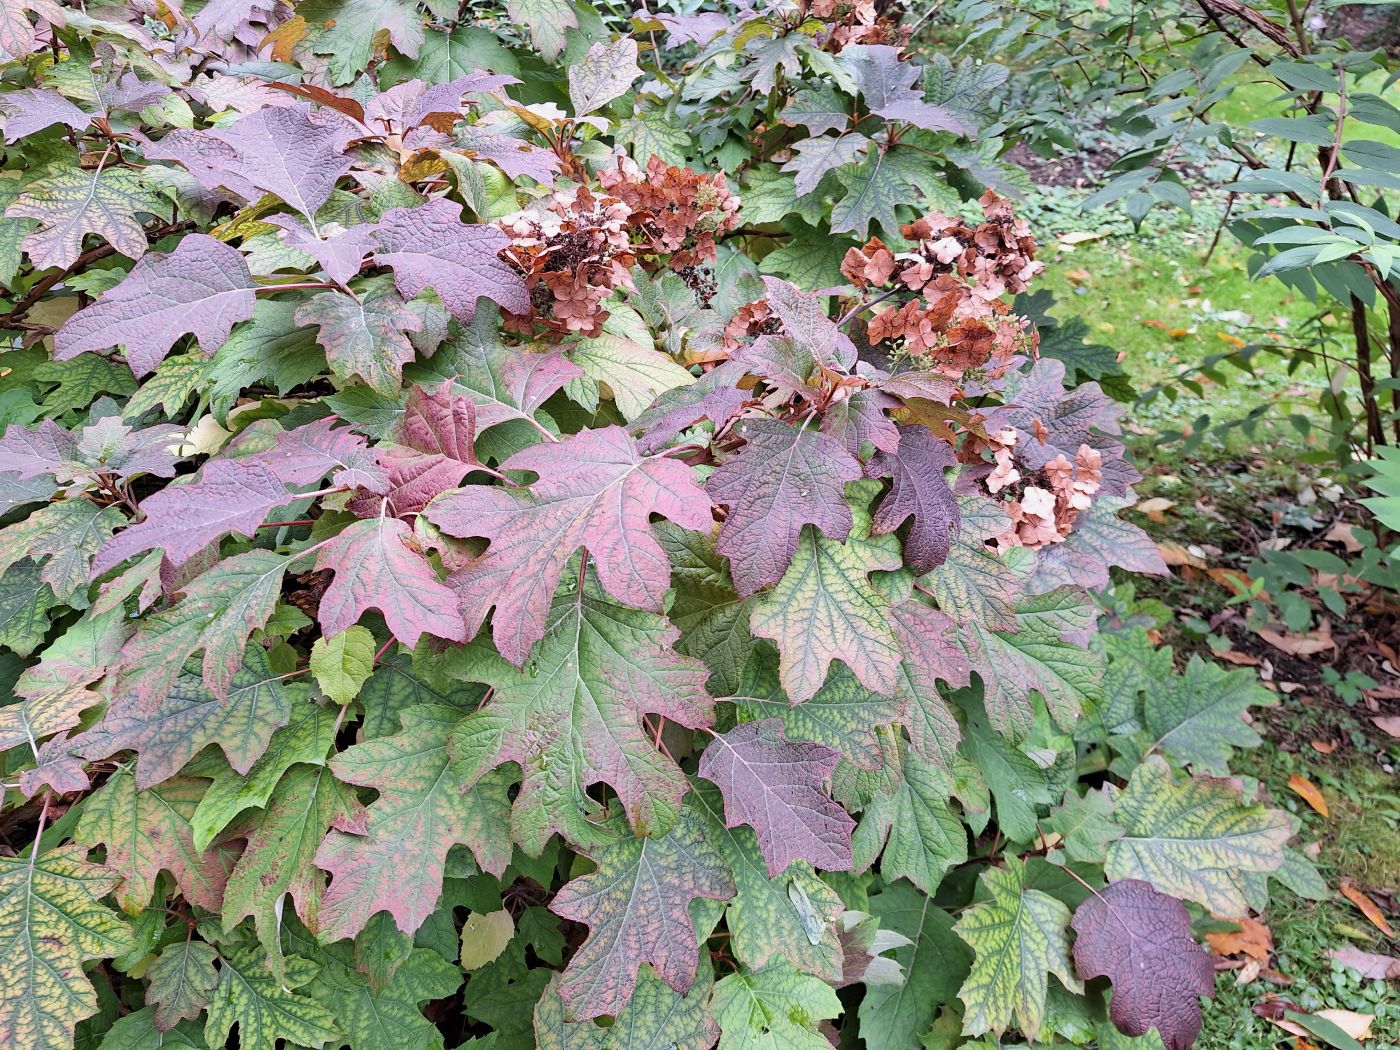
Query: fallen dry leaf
x=1252 y=939
x=1234 y=656
x=1232 y=580
x=1388 y=723
x=1309 y=793
x=1155 y=508
x=1369 y=908
x=1367 y=964
x=1323 y=747
x=1343 y=532
x=1174 y=553
x=1358 y=1026
x=1069 y=240
x=1310 y=644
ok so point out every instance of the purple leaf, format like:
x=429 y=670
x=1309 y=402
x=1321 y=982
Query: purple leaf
x=636 y=905
x=48 y=449
x=377 y=566
x=310 y=452
x=430 y=247
x=131 y=94
x=340 y=254
x=859 y=422
x=34 y=109
x=715 y=396
x=775 y=786
x=931 y=653
x=806 y=321
x=435 y=452
x=209 y=160
x=694 y=29
x=181 y=520
x=1141 y=941
x=414 y=102
x=595 y=490
x=202 y=287
x=1098 y=540
x=888 y=87
x=921 y=492
x=782 y=479
x=295 y=153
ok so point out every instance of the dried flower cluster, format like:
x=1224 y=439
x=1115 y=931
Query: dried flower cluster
x=576 y=247
x=677 y=211
x=860 y=22
x=959 y=322
x=1043 y=507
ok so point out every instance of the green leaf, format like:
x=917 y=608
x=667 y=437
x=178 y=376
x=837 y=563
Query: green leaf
x=547 y=22
x=825 y=608
x=655 y=1017
x=712 y=618
x=774 y=1009
x=1017 y=784
x=51 y=922
x=148 y=831
x=1194 y=838
x=1197 y=717
x=138 y=1031
x=278 y=861
x=390 y=1018
x=25 y=601
x=397 y=863
x=572 y=717
x=183 y=980
x=63 y=537
x=792 y=916
x=874 y=188
x=306 y=738
x=341 y=665
x=347 y=31
x=934 y=964
x=484 y=937
x=624 y=360
x=606 y=72
x=1085 y=825
x=1037 y=654
x=921 y=833
x=1019 y=936
x=265 y=1009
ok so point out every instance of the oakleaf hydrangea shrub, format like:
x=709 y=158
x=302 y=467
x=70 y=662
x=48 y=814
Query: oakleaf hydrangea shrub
x=525 y=528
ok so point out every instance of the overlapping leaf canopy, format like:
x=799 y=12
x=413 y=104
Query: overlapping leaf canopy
x=436 y=483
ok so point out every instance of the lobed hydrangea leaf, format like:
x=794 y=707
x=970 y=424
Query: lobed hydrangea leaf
x=304 y=739
x=783 y=479
x=816 y=156
x=25 y=601
x=843 y=715
x=860 y=422
x=826 y=608
x=921 y=834
x=607 y=71
x=547 y=22
x=1194 y=838
x=17 y=39
x=435 y=451
x=889 y=89
x=182 y=520
x=220 y=608
x=1141 y=941
x=148 y=831
x=775 y=786
x=712 y=618
x=1041 y=654
x=1019 y=937
x=167 y=734
x=573 y=718
x=919 y=491
x=52 y=920
x=71 y=204
x=873 y=190
x=623 y=360
x=1016 y=783
x=636 y=905
x=655 y=1016
x=430 y=247
x=31 y=110
x=277 y=864
x=377 y=565
x=793 y=916
x=1198 y=717
x=387 y=1017
x=594 y=490
x=62 y=537
x=342 y=664
x=396 y=863
x=295 y=153
x=352 y=33
x=775 y=1008
x=202 y=287
x=365 y=336
x=1085 y=825
x=934 y=962
x=266 y=1008
x=1100 y=540
x=183 y=979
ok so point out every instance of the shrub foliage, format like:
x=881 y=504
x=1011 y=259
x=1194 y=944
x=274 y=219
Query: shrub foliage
x=508 y=547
